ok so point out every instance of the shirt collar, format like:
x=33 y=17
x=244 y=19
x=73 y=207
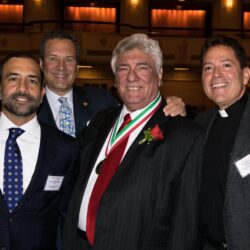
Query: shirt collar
x=32 y=127
x=53 y=96
x=234 y=108
x=134 y=113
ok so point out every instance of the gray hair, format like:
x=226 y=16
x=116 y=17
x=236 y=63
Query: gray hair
x=142 y=42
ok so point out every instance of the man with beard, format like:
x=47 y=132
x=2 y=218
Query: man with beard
x=37 y=162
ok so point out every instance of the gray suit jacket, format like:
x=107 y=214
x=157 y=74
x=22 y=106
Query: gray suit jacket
x=237 y=197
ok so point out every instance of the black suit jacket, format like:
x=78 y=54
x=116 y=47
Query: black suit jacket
x=237 y=197
x=87 y=102
x=151 y=202
x=34 y=223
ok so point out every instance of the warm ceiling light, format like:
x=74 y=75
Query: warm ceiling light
x=181 y=68
x=85 y=67
x=229 y=4
x=134 y=3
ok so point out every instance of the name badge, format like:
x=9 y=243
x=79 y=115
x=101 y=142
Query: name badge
x=243 y=166
x=53 y=183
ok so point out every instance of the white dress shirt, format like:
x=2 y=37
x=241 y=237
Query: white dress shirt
x=55 y=104
x=93 y=177
x=29 y=144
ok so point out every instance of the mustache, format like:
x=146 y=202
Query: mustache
x=16 y=95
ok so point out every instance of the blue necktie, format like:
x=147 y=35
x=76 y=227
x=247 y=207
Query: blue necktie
x=66 y=117
x=13 y=170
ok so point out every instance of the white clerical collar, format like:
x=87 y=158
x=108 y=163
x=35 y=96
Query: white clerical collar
x=223 y=113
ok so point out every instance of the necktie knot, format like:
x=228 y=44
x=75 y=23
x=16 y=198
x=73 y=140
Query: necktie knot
x=15 y=132
x=63 y=100
x=127 y=119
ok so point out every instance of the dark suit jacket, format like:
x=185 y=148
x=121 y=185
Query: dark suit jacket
x=87 y=102
x=237 y=197
x=33 y=225
x=151 y=202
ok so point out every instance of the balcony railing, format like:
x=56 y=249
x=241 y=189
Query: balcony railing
x=113 y=27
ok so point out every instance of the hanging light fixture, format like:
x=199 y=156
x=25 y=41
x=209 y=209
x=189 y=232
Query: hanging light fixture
x=134 y=3
x=229 y=4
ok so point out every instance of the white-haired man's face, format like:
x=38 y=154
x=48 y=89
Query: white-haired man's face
x=137 y=80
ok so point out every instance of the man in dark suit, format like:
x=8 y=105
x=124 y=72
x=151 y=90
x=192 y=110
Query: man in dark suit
x=138 y=186
x=35 y=180
x=225 y=197
x=59 y=60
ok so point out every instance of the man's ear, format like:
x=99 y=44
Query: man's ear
x=246 y=75
x=42 y=93
x=41 y=63
x=160 y=77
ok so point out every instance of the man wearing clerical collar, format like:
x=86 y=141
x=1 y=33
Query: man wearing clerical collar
x=225 y=196
x=138 y=188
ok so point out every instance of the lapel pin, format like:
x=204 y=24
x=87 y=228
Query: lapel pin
x=85 y=104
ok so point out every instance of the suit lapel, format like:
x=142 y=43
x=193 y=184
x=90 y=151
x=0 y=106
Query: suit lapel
x=3 y=205
x=241 y=148
x=45 y=114
x=80 y=111
x=92 y=150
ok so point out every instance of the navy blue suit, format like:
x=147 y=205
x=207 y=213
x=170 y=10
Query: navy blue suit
x=87 y=102
x=34 y=223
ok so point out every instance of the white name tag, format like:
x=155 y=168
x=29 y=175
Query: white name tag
x=243 y=166
x=53 y=183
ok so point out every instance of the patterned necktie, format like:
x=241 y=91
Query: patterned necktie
x=108 y=169
x=66 y=117
x=13 y=170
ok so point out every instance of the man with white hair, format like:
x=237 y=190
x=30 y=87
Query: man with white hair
x=138 y=185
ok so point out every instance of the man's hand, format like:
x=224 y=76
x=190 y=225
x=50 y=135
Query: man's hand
x=175 y=106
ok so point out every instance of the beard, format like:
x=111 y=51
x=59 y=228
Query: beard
x=11 y=105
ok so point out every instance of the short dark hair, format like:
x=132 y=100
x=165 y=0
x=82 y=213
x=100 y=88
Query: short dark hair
x=228 y=42
x=60 y=34
x=20 y=54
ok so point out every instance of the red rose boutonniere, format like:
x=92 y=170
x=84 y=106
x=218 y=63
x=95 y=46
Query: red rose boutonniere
x=153 y=134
